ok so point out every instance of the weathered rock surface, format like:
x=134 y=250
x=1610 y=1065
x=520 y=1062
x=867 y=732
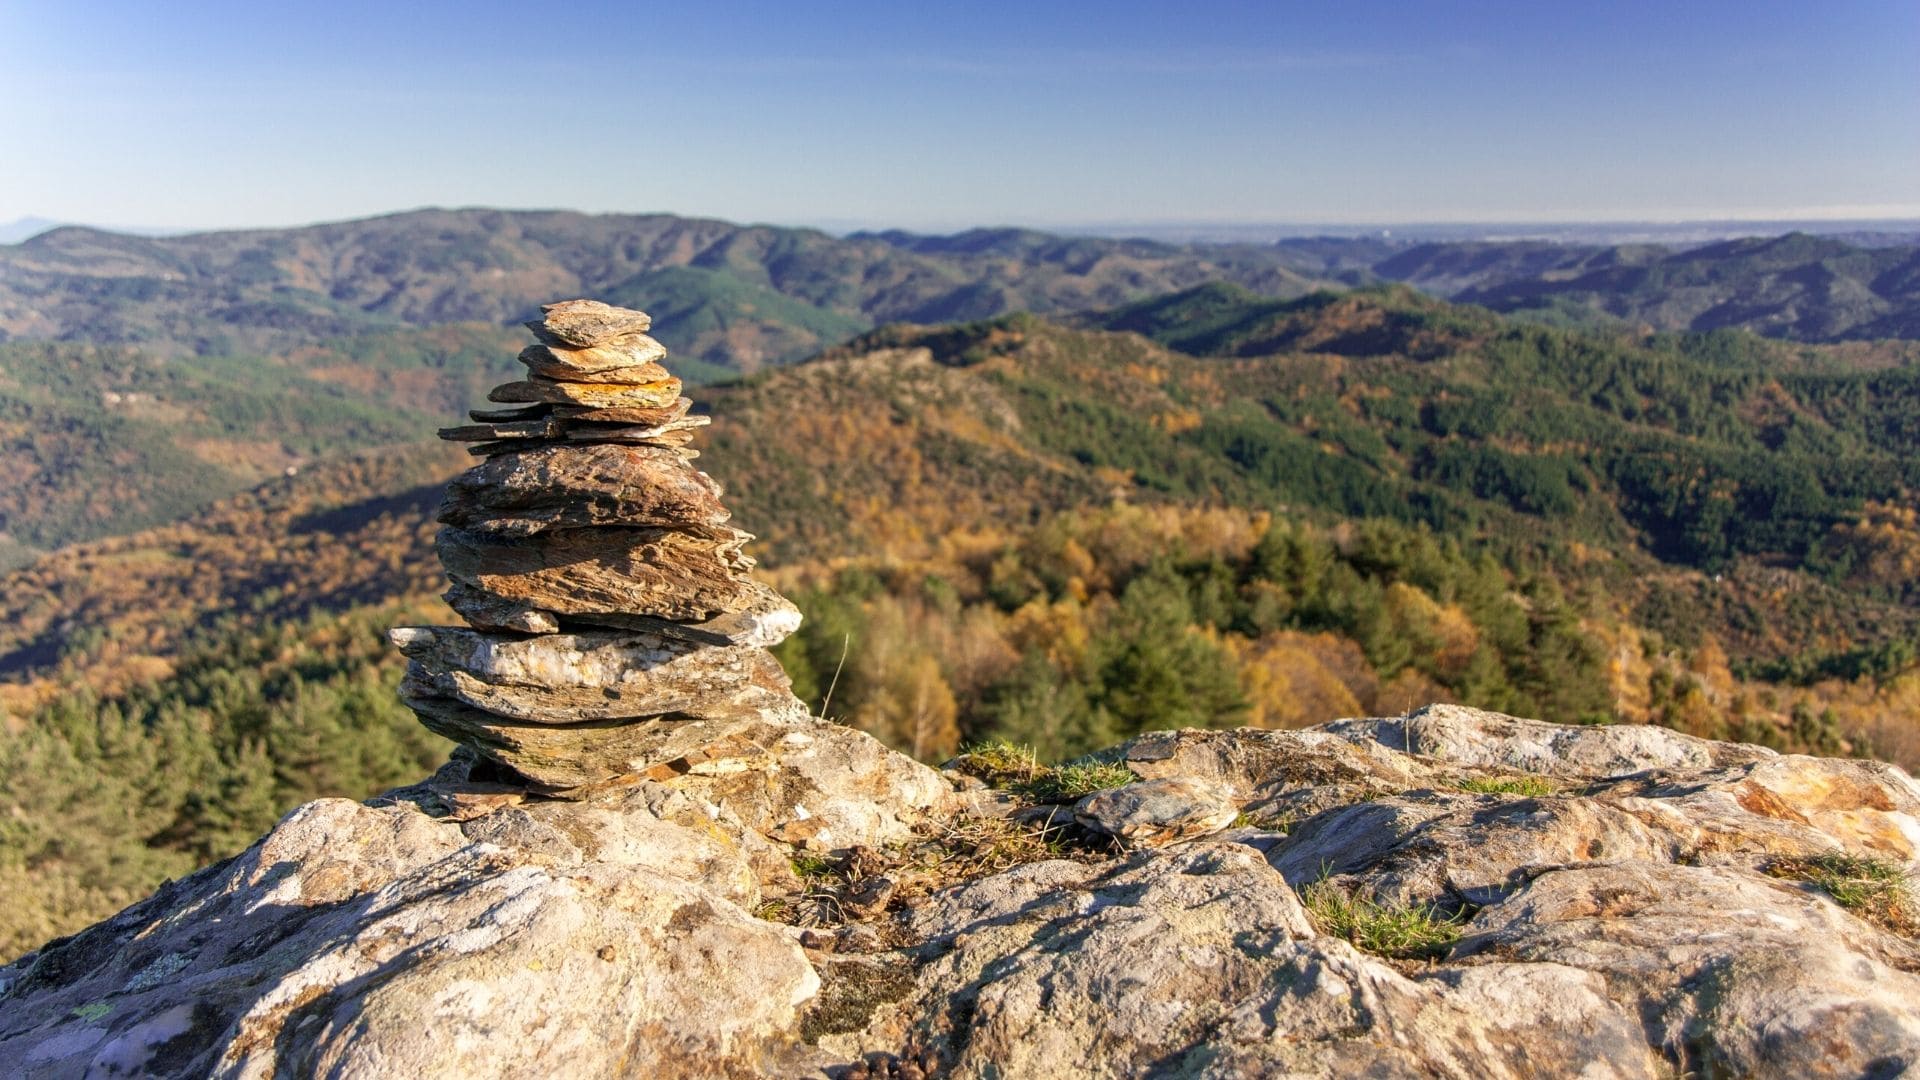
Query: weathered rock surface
x=685 y=574
x=553 y=487
x=559 y=679
x=635 y=360
x=357 y=941
x=1736 y=974
x=488 y=612
x=563 y=758
x=759 y=616
x=1464 y=736
x=1200 y=961
x=645 y=417
x=1630 y=922
x=1155 y=812
x=652 y=395
x=583 y=324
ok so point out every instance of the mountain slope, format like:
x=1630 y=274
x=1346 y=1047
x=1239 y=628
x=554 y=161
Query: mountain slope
x=1222 y=319
x=264 y=290
x=1802 y=287
x=102 y=440
x=748 y=296
x=1536 y=443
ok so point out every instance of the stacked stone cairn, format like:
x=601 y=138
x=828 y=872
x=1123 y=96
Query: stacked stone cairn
x=612 y=624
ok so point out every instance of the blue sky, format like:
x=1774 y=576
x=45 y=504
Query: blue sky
x=945 y=115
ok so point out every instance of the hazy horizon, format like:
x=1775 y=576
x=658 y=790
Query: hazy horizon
x=1675 y=230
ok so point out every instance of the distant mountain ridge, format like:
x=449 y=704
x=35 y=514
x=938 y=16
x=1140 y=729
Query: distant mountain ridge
x=12 y=232
x=764 y=294
x=1807 y=288
x=739 y=297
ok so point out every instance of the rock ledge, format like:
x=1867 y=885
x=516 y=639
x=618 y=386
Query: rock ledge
x=1628 y=918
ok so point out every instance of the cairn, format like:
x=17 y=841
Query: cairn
x=612 y=622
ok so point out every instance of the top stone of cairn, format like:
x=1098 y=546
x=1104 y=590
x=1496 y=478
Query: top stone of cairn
x=583 y=324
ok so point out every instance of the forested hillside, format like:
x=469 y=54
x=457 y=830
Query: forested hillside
x=741 y=297
x=1211 y=508
x=1801 y=287
x=203 y=364
x=101 y=440
x=731 y=295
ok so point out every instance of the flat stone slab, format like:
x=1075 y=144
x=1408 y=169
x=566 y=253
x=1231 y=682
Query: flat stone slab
x=578 y=677
x=549 y=487
x=624 y=362
x=687 y=574
x=566 y=758
x=763 y=618
x=1155 y=812
x=653 y=395
x=586 y=323
x=641 y=416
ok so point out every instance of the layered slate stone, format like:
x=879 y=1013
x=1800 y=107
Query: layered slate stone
x=550 y=487
x=648 y=417
x=571 y=759
x=489 y=612
x=1156 y=812
x=648 y=395
x=576 y=677
x=762 y=617
x=609 y=603
x=685 y=574
x=635 y=363
x=586 y=323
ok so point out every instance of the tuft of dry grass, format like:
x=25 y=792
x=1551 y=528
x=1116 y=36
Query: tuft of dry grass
x=999 y=763
x=867 y=883
x=971 y=847
x=1280 y=823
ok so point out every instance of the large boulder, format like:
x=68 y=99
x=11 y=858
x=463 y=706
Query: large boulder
x=1467 y=736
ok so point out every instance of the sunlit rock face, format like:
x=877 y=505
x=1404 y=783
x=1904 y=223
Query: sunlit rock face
x=782 y=896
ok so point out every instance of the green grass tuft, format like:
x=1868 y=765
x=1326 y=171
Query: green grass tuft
x=1878 y=890
x=1068 y=782
x=1530 y=786
x=812 y=868
x=1000 y=763
x=1399 y=931
x=1282 y=823
x=1017 y=769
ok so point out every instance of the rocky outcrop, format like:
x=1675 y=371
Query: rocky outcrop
x=1513 y=899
